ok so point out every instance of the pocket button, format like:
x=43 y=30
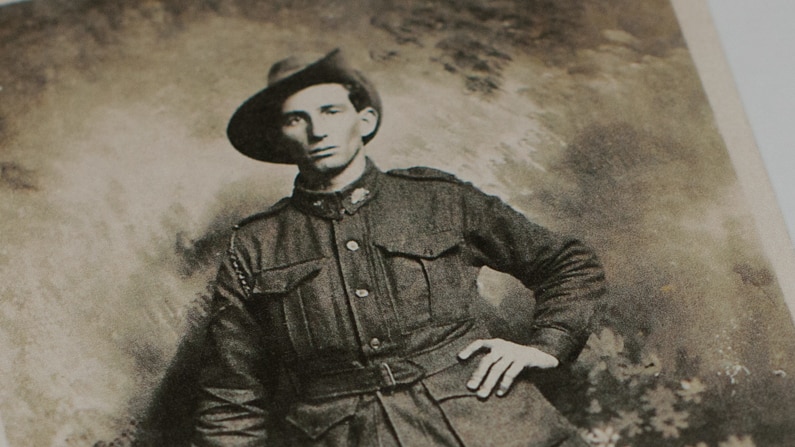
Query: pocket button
x=362 y=293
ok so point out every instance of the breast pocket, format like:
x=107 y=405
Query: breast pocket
x=281 y=280
x=286 y=299
x=427 y=276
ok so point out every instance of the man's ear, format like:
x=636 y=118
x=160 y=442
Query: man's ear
x=368 y=121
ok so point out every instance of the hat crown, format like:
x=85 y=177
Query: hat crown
x=286 y=68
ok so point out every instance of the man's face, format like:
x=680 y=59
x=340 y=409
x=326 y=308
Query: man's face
x=325 y=128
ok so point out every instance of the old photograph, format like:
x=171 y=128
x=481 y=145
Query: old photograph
x=377 y=223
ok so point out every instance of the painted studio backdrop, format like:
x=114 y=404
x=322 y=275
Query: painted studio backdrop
x=118 y=190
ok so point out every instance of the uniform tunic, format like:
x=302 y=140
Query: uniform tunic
x=338 y=316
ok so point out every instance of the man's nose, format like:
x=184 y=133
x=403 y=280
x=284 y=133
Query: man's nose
x=316 y=132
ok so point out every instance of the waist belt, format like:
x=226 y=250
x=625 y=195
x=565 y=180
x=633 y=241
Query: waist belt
x=384 y=376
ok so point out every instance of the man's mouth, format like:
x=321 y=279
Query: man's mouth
x=321 y=151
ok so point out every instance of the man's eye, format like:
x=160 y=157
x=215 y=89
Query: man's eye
x=332 y=111
x=292 y=120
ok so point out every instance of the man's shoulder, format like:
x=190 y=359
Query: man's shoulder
x=433 y=181
x=263 y=216
x=423 y=173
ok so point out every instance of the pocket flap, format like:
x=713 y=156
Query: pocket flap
x=451 y=382
x=428 y=246
x=315 y=419
x=521 y=418
x=284 y=279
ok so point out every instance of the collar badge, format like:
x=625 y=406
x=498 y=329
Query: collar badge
x=358 y=195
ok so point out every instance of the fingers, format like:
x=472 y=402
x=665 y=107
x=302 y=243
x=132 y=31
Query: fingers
x=507 y=379
x=472 y=348
x=483 y=368
x=502 y=364
x=497 y=370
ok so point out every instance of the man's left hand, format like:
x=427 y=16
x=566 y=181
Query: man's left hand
x=503 y=363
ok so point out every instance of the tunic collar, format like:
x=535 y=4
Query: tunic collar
x=333 y=205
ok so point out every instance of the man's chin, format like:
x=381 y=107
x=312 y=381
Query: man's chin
x=322 y=166
x=325 y=166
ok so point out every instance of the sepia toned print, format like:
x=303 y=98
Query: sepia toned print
x=120 y=191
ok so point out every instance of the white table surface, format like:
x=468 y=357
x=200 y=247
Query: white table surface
x=759 y=42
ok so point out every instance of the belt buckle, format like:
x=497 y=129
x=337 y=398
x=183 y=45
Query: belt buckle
x=386 y=373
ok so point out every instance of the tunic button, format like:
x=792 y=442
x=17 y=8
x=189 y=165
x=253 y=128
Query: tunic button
x=362 y=293
x=375 y=343
x=352 y=245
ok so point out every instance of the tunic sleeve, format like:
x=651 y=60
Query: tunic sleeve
x=234 y=389
x=564 y=275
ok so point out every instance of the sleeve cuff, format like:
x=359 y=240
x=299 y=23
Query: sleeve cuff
x=555 y=342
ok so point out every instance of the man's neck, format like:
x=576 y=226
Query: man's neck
x=330 y=182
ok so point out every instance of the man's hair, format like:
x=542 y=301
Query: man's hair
x=358 y=96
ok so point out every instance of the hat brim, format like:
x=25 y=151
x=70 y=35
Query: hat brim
x=255 y=128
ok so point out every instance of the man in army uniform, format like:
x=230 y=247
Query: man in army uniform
x=344 y=314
